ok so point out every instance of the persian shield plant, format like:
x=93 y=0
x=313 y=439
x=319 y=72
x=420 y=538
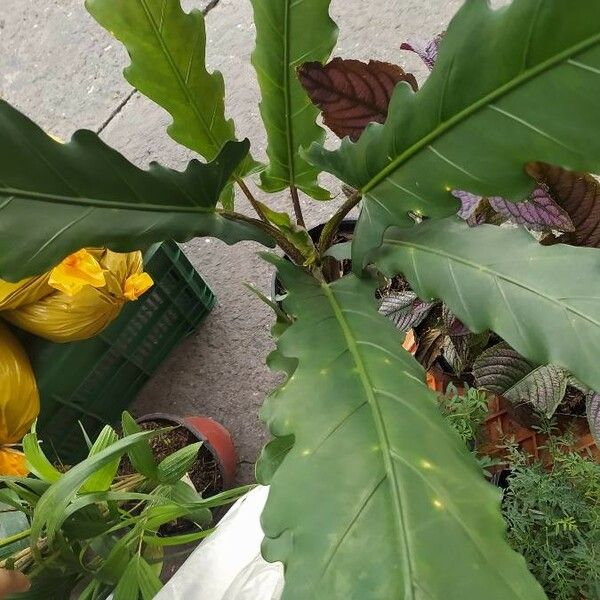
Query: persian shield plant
x=372 y=494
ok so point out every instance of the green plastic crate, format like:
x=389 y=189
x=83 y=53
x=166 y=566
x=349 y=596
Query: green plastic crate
x=93 y=381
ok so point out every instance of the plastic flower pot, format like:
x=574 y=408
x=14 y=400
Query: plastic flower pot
x=504 y=422
x=215 y=438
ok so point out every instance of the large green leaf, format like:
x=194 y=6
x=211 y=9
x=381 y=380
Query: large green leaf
x=511 y=86
x=378 y=498
x=56 y=198
x=543 y=300
x=288 y=34
x=167 y=48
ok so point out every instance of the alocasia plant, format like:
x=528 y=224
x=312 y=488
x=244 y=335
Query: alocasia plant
x=372 y=495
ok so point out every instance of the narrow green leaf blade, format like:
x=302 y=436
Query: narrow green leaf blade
x=288 y=34
x=167 y=48
x=102 y=479
x=388 y=491
x=140 y=455
x=486 y=111
x=174 y=467
x=38 y=463
x=148 y=580
x=85 y=194
x=51 y=508
x=128 y=587
x=501 y=279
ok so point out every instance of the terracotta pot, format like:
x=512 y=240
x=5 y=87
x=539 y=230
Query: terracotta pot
x=504 y=423
x=214 y=436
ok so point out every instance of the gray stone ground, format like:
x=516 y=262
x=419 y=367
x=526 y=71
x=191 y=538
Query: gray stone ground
x=59 y=67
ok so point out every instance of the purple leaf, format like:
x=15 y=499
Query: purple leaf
x=499 y=368
x=539 y=212
x=469 y=203
x=405 y=309
x=427 y=52
x=453 y=325
x=593 y=415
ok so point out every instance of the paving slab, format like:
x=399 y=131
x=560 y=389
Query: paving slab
x=61 y=68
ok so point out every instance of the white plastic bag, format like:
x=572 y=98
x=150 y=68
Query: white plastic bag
x=228 y=564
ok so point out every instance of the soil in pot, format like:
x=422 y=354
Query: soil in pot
x=205 y=473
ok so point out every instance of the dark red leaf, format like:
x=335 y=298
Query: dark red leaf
x=579 y=195
x=350 y=93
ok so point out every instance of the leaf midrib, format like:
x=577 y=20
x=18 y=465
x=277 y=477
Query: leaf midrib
x=496 y=274
x=369 y=389
x=178 y=76
x=100 y=203
x=478 y=105
x=286 y=92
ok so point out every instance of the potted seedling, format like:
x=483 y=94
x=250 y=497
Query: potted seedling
x=93 y=530
x=370 y=489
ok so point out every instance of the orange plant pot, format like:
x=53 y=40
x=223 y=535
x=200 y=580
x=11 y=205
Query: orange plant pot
x=502 y=424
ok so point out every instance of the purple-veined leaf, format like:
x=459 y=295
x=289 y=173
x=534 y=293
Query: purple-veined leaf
x=593 y=415
x=405 y=309
x=427 y=52
x=351 y=94
x=499 y=368
x=468 y=203
x=454 y=327
x=544 y=388
x=539 y=212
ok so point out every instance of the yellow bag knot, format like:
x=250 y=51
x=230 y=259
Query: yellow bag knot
x=75 y=272
x=136 y=285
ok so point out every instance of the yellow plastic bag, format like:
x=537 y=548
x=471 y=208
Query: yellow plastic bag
x=77 y=310
x=19 y=401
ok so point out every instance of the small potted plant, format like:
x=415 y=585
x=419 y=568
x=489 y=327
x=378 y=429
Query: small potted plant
x=97 y=531
x=551 y=508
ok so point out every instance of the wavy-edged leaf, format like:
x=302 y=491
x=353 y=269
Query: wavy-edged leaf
x=271 y=458
x=485 y=112
x=405 y=309
x=593 y=415
x=388 y=490
x=544 y=388
x=579 y=195
x=499 y=368
x=288 y=34
x=86 y=194
x=167 y=48
x=351 y=94
x=501 y=279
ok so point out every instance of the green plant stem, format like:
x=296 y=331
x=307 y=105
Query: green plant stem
x=17 y=537
x=279 y=238
x=252 y=200
x=331 y=228
x=297 y=207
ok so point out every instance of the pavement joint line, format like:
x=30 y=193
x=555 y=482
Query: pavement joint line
x=116 y=111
